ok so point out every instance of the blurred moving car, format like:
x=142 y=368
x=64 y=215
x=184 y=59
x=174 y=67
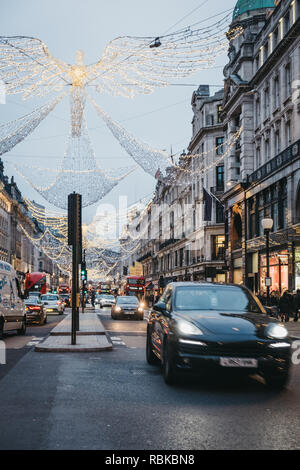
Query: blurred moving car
x=53 y=304
x=198 y=327
x=35 y=312
x=127 y=306
x=66 y=299
x=107 y=300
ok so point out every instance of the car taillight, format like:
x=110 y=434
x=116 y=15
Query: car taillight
x=59 y=302
x=34 y=308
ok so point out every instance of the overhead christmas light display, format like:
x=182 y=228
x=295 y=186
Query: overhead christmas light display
x=128 y=66
x=157 y=162
x=14 y=132
x=79 y=170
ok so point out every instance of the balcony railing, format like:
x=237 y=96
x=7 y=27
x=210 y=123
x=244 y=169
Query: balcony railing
x=288 y=155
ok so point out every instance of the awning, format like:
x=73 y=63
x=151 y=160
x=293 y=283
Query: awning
x=149 y=285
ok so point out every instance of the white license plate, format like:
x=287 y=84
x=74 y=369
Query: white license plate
x=238 y=362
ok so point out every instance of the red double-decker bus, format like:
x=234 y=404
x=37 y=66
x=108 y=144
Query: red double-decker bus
x=135 y=285
x=35 y=282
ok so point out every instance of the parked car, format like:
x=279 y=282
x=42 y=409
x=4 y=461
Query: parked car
x=198 y=327
x=53 y=304
x=127 y=306
x=107 y=300
x=12 y=307
x=35 y=312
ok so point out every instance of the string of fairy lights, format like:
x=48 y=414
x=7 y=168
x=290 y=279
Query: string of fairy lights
x=127 y=67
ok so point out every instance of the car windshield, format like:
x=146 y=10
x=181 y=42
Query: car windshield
x=49 y=297
x=127 y=300
x=222 y=298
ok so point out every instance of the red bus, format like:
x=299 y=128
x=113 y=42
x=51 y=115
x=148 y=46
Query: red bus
x=35 y=282
x=135 y=285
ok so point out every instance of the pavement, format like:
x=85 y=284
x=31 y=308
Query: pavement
x=91 y=336
x=293 y=328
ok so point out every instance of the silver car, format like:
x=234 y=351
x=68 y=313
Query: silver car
x=107 y=301
x=53 y=303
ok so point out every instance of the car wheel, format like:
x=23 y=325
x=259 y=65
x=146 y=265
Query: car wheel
x=168 y=369
x=22 y=331
x=277 y=382
x=152 y=359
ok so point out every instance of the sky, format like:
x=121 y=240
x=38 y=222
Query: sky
x=162 y=119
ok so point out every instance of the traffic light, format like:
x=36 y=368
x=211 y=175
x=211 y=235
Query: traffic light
x=125 y=270
x=74 y=222
x=83 y=271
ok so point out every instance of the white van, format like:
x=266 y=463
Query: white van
x=12 y=307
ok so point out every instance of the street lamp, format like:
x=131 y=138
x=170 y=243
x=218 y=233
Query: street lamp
x=267 y=225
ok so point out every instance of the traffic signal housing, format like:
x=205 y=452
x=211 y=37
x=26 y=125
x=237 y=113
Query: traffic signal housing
x=83 y=272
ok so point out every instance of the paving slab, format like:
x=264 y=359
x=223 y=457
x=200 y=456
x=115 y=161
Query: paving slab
x=293 y=328
x=84 y=343
x=89 y=324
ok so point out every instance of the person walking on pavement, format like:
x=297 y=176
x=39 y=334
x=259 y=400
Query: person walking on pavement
x=286 y=306
x=93 y=296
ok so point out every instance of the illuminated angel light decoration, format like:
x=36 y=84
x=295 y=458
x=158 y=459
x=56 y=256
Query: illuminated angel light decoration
x=79 y=172
x=128 y=66
x=158 y=163
x=14 y=132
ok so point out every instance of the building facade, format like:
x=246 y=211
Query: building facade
x=262 y=89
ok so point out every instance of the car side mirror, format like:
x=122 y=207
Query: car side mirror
x=161 y=307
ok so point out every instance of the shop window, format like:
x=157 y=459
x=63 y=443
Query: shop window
x=279 y=271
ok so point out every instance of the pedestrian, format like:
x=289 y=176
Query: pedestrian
x=93 y=296
x=286 y=306
x=296 y=300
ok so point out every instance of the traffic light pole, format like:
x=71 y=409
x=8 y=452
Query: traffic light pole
x=83 y=274
x=75 y=239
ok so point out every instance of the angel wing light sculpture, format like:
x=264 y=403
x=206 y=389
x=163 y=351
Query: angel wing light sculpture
x=128 y=66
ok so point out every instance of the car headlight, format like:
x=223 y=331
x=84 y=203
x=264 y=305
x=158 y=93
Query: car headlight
x=142 y=305
x=118 y=309
x=276 y=331
x=188 y=328
x=140 y=309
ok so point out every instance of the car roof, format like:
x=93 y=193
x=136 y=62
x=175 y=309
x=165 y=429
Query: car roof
x=202 y=283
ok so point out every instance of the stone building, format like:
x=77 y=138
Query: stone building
x=261 y=96
x=179 y=239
